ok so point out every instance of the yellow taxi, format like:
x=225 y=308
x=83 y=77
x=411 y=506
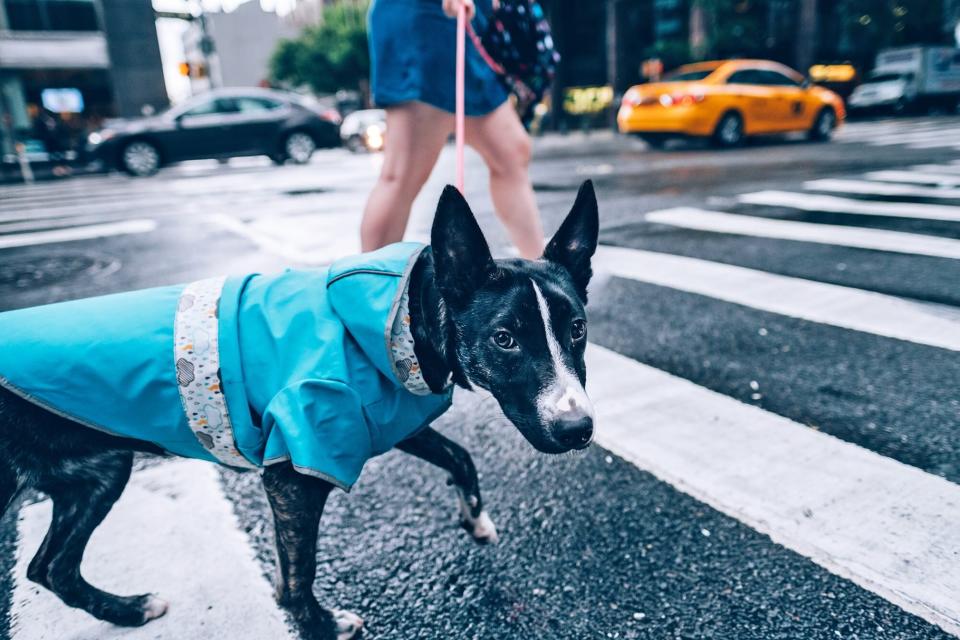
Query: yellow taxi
x=726 y=101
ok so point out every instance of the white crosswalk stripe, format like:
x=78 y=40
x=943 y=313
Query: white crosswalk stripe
x=795 y=297
x=936 y=175
x=834 y=204
x=872 y=188
x=77 y=233
x=878 y=239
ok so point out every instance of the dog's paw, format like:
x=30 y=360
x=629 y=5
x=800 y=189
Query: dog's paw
x=481 y=528
x=153 y=607
x=348 y=624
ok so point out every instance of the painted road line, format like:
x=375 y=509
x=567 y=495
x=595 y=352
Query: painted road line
x=880 y=240
x=172 y=533
x=53 y=223
x=915 y=177
x=925 y=135
x=152 y=206
x=935 y=142
x=887 y=136
x=846 y=307
x=865 y=187
x=834 y=204
x=949 y=169
x=888 y=527
x=70 y=234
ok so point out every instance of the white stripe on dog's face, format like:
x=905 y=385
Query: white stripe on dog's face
x=565 y=394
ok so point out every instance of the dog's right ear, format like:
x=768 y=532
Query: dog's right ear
x=461 y=256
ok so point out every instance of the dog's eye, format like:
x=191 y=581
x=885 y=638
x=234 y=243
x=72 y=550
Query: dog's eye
x=504 y=340
x=578 y=329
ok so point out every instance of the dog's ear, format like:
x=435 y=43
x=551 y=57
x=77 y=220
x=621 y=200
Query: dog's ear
x=575 y=241
x=461 y=256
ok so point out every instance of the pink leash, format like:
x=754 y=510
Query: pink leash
x=461 y=57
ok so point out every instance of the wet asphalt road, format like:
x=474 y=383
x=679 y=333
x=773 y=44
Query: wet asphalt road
x=591 y=546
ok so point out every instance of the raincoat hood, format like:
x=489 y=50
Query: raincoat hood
x=367 y=288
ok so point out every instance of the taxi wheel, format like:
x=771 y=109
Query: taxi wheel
x=654 y=141
x=823 y=126
x=729 y=131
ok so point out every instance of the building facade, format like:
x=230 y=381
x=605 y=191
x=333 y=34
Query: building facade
x=83 y=60
x=244 y=38
x=605 y=42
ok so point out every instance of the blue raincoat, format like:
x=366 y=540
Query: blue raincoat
x=313 y=366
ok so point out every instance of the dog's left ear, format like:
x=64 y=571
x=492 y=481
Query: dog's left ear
x=575 y=241
x=461 y=256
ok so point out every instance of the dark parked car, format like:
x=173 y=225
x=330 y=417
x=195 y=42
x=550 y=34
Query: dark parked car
x=219 y=124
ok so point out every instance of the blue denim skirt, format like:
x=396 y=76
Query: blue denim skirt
x=413 y=57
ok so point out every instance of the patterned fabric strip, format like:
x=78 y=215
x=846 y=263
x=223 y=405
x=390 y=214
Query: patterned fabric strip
x=197 y=360
x=401 y=348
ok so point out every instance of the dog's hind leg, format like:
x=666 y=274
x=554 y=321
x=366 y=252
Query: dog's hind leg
x=83 y=491
x=443 y=452
x=297 y=501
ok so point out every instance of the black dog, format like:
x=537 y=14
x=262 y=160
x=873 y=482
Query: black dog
x=516 y=328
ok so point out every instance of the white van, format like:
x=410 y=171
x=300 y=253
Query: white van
x=905 y=78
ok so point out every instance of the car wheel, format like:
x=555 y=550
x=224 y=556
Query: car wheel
x=140 y=158
x=278 y=159
x=355 y=143
x=729 y=131
x=823 y=126
x=299 y=147
x=654 y=141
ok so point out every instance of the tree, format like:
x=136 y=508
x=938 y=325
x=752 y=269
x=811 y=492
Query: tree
x=330 y=56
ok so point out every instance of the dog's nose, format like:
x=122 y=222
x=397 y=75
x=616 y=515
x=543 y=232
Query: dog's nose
x=574 y=431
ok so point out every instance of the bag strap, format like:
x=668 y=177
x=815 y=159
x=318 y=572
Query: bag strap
x=460 y=110
x=478 y=43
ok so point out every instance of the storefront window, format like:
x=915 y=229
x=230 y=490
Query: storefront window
x=51 y=15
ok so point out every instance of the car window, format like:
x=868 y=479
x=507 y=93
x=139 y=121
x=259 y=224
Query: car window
x=744 y=76
x=227 y=105
x=212 y=106
x=775 y=78
x=250 y=104
x=884 y=77
x=204 y=108
x=687 y=76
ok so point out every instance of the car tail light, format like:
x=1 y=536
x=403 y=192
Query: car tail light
x=631 y=99
x=330 y=114
x=681 y=99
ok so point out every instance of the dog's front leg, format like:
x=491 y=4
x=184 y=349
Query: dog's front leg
x=297 y=501
x=436 y=449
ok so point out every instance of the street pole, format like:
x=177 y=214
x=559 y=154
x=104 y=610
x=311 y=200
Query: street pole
x=700 y=45
x=806 y=35
x=612 y=61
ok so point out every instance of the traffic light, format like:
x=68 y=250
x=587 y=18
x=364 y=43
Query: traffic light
x=193 y=69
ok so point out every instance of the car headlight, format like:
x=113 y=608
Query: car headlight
x=374 y=137
x=98 y=137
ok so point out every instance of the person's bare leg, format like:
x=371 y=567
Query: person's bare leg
x=505 y=146
x=416 y=133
